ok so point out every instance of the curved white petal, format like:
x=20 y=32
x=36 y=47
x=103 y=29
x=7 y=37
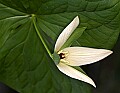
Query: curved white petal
x=78 y=56
x=66 y=33
x=73 y=73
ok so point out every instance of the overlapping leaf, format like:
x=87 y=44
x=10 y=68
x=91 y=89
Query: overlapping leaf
x=24 y=62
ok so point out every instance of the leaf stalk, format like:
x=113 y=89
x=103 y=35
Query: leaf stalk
x=40 y=36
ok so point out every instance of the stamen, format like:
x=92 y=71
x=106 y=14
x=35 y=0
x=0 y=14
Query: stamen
x=60 y=51
x=64 y=61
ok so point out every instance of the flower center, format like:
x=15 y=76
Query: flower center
x=62 y=55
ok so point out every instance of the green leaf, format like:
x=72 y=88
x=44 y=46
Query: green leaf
x=24 y=62
x=75 y=35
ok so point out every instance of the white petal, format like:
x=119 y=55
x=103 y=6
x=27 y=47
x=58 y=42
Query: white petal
x=73 y=73
x=66 y=33
x=78 y=56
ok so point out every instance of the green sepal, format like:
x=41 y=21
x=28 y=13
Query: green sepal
x=56 y=58
x=74 y=36
x=79 y=69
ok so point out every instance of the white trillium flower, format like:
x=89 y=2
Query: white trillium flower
x=76 y=56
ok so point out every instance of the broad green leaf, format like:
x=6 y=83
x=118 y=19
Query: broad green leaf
x=24 y=62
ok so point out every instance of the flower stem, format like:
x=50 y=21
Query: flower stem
x=40 y=36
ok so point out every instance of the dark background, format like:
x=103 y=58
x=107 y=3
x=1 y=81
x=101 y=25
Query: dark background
x=105 y=73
